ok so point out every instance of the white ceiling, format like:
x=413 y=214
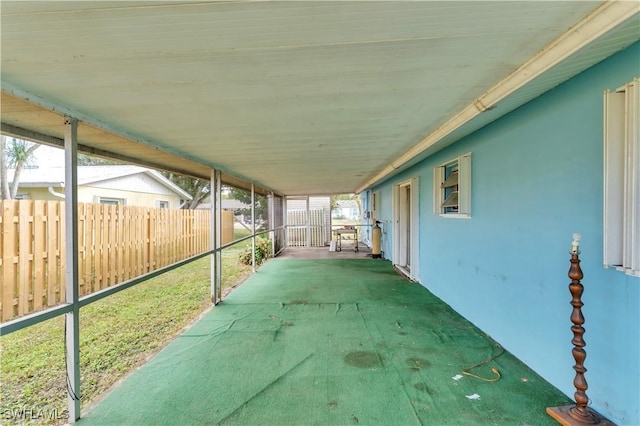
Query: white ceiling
x=298 y=97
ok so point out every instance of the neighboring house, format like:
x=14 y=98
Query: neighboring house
x=486 y=224
x=120 y=185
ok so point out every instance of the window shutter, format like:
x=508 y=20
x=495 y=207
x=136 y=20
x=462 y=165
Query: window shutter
x=621 y=212
x=464 y=197
x=632 y=205
x=437 y=189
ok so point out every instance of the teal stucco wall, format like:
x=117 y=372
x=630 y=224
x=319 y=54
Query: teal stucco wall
x=537 y=177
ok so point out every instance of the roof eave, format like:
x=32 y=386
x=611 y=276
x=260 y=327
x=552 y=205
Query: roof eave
x=604 y=19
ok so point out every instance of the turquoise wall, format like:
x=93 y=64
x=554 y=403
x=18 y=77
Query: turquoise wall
x=537 y=179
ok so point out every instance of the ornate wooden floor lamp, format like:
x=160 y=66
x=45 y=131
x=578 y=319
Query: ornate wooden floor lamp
x=579 y=413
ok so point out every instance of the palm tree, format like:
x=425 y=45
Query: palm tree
x=14 y=153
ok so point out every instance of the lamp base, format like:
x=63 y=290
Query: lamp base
x=566 y=416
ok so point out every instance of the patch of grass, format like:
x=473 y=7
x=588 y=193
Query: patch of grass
x=117 y=334
x=241 y=233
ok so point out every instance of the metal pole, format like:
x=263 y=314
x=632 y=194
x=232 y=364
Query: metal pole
x=72 y=325
x=216 y=238
x=285 y=220
x=212 y=234
x=271 y=222
x=219 y=236
x=253 y=227
x=308 y=224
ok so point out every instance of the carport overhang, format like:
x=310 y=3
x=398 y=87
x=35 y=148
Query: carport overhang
x=48 y=129
x=295 y=98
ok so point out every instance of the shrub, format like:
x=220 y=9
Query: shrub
x=263 y=252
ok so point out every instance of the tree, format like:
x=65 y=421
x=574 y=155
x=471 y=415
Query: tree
x=16 y=153
x=261 y=207
x=197 y=188
x=89 y=160
x=4 y=181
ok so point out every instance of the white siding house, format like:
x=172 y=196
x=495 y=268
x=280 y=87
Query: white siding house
x=122 y=185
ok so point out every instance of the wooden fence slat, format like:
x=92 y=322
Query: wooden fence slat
x=173 y=230
x=24 y=256
x=162 y=230
x=53 y=230
x=81 y=249
x=39 y=250
x=105 y=245
x=140 y=227
x=143 y=242
x=62 y=250
x=111 y=244
x=97 y=248
x=202 y=232
x=118 y=243
x=198 y=232
x=131 y=228
x=9 y=253
x=180 y=241
x=159 y=241
x=134 y=241
x=182 y=235
x=186 y=231
x=124 y=222
x=157 y=237
x=161 y=226
x=88 y=248
x=140 y=239
x=190 y=240
x=187 y=247
x=179 y=233
x=173 y=243
x=151 y=242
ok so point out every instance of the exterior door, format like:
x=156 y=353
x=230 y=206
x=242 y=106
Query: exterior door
x=406 y=225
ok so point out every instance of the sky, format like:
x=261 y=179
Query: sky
x=47 y=156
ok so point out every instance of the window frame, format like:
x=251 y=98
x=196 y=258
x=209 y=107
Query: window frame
x=621 y=206
x=445 y=187
x=111 y=201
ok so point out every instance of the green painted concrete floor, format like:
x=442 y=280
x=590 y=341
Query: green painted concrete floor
x=329 y=342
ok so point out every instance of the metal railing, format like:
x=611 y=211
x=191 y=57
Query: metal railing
x=38 y=317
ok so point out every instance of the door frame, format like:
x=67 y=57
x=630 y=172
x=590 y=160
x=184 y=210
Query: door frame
x=402 y=239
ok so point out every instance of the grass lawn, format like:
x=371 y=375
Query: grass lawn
x=117 y=334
